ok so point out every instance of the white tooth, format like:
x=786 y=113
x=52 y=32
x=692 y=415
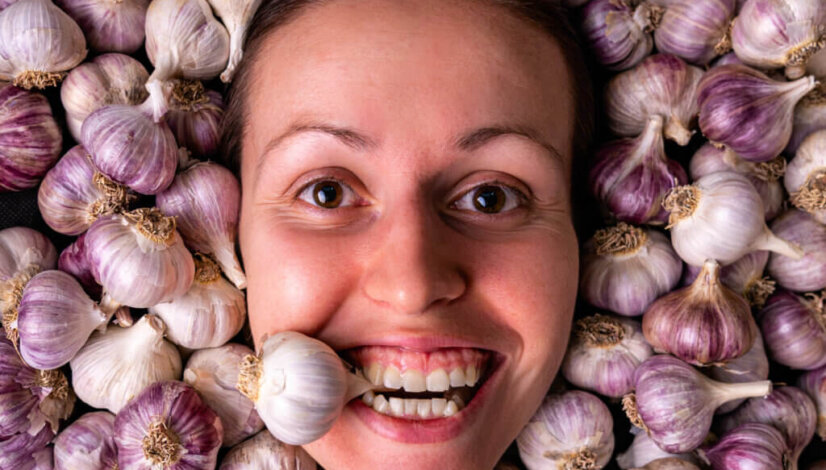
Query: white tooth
x=438 y=381
x=423 y=408
x=380 y=404
x=368 y=397
x=374 y=373
x=413 y=381
x=471 y=375
x=451 y=409
x=392 y=378
x=396 y=406
x=438 y=406
x=410 y=406
x=457 y=377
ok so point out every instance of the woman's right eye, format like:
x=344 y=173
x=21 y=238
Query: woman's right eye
x=328 y=194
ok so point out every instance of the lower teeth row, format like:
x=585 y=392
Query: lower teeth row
x=413 y=408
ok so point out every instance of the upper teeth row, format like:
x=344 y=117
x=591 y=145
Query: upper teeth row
x=412 y=380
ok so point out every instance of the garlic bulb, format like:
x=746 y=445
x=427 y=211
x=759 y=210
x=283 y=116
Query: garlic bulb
x=117 y=364
x=643 y=450
x=87 y=444
x=744 y=276
x=107 y=79
x=73 y=260
x=750 y=367
x=109 y=26
x=142 y=244
x=661 y=85
x=264 y=452
x=214 y=374
x=794 y=329
x=720 y=217
x=24 y=451
x=809 y=117
x=631 y=176
x=30 y=139
x=779 y=33
x=695 y=31
x=183 y=40
x=38 y=44
x=74 y=194
x=618 y=33
x=130 y=148
x=236 y=16
x=603 y=353
x=750 y=446
x=809 y=272
x=299 y=386
x=749 y=112
x=814 y=384
x=668 y=463
x=195 y=116
x=570 y=430
x=625 y=268
x=205 y=198
x=805 y=178
x=167 y=426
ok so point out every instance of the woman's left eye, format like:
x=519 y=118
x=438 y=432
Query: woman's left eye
x=328 y=194
x=490 y=199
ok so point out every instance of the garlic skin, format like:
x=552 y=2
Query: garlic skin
x=643 y=450
x=794 y=329
x=55 y=318
x=73 y=260
x=744 y=276
x=706 y=214
x=236 y=16
x=87 y=444
x=195 y=116
x=183 y=40
x=809 y=272
x=142 y=244
x=618 y=33
x=697 y=32
x=30 y=139
x=603 y=353
x=750 y=367
x=814 y=384
x=109 y=26
x=570 y=430
x=264 y=452
x=805 y=178
x=669 y=463
x=205 y=198
x=779 y=33
x=631 y=176
x=751 y=446
x=26 y=451
x=167 y=426
x=662 y=84
x=809 y=117
x=106 y=79
x=749 y=112
x=38 y=44
x=625 y=268
x=118 y=364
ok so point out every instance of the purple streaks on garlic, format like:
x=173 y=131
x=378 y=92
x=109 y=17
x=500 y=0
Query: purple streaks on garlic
x=809 y=272
x=73 y=261
x=195 y=117
x=751 y=446
x=695 y=31
x=24 y=451
x=814 y=384
x=744 y=276
x=750 y=367
x=109 y=26
x=794 y=329
x=87 y=444
x=619 y=34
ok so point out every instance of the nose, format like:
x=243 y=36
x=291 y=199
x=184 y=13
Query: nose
x=413 y=267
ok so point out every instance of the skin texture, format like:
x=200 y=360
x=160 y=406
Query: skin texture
x=407 y=252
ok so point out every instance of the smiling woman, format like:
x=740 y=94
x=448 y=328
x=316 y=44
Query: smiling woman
x=407 y=199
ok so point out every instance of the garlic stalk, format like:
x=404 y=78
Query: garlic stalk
x=814 y=384
x=195 y=116
x=643 y=450
x=236 y=16
x=110 y=26
x=697 y=32
x=87 y=444
x=750 y=367
x=794 y=329
x=751 y=446
x=264 y=452
x=805 y=178
x=116 y=365
x=618 y=32
x=808 y=273
x=38 y=44
x=744 y=276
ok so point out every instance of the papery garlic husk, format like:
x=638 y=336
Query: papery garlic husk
x=809 y=117
x=236 y=16
x=38 y=44
x=106 y=79
x=205 y=199
x=662 y=84
x=73 y=260
x=109 y=26
x=703 y=324
x=87 y=444
x=195 y=116
x=214 y=374
x=24 y=451
x=779 y=33
x=117 y=364
x=674 y=403
x=167 y=426
x=603 y=353
x=299 y=386
x=668 y=463
x=794 y=329
x=631 y=176
x=809 y=272
x=625 y=268
x=720 y=217
x=30 y=139
x=618 y=33
x=74 y=194
x=787 y=409
x=130 y=148
x=814 y=384
x=697 y=32
x=55 y=318
x=805 y=178
x=744 y=276
x=183 y=40
x=749 y=112
x=765 y=176
x=643 y=450
x=750 y=446
x=264 y=452
x=570 y=430
x=142 y=244
x=750 y=367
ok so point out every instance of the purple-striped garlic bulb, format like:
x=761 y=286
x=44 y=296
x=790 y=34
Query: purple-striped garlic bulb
x=110 y=26
x=750 y=446
x=195 y=115
x=809 y=116
x=794 y=329
x=744 y=276
x=236 y=16
x=750 y=367
x=805 y=178
x=262 y=450
x=87 y=444
x=809 y=272
x=618 y=32
x=73 y=260
x=814 y=384
x=697 y=32
x=24 y=451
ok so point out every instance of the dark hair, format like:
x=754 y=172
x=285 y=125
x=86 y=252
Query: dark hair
x=549 y=15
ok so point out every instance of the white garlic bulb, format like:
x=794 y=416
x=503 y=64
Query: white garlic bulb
x=116 y=365
x=236 y=15
x=264 y=452
x=38 y=43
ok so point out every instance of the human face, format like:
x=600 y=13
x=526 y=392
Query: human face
x=441 y=246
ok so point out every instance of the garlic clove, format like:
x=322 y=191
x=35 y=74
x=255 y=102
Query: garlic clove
x=265 y=452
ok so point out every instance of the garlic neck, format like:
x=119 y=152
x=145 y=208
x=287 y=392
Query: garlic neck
x=722 y=393
x=161 y=446
x=681 y=202
x=811 y=197
x=622 y=239
x=708 y=281
x=600 y=331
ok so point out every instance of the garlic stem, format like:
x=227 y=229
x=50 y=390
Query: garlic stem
x=676 y=131
x=726 y=392
x=357 y=386
x=157 y=99
x=225 y=255
x=770 y=242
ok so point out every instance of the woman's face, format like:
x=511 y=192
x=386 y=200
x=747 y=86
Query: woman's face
x=406 y=200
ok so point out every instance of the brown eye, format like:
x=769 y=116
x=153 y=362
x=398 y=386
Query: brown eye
x=489 y=199
x=328 y=194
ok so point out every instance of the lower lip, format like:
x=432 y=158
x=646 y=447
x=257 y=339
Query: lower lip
x=425 y=431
